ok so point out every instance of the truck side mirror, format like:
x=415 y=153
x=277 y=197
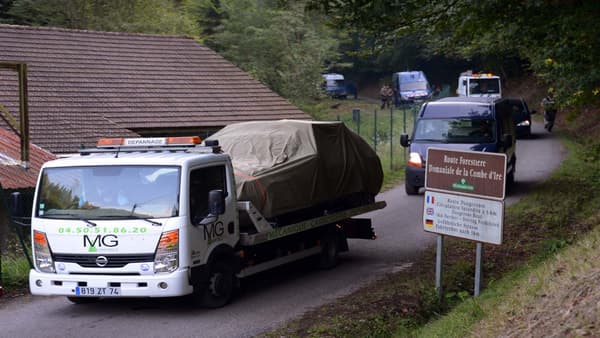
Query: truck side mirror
x=216 y=207
x=507 y=140
x=404 y=140
x=16 y=206
x=216 y=202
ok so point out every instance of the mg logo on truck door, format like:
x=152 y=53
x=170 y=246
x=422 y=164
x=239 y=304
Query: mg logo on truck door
x=213 y=230
x=99 y=241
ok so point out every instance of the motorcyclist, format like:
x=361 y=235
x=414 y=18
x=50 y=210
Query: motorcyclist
x=549 y=106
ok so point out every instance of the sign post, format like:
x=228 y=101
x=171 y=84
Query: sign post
x=464 y=198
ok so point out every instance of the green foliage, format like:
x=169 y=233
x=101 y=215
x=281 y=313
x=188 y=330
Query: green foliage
x=138 y=16
x=208 y=15
x=285 y=48
x=15 y=271
x=557 y=40
x=4 y=8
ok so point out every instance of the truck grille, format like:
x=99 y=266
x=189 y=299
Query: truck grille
x=114 y=261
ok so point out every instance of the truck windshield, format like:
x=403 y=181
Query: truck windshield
x=108 y=192
x=455 y=130
x=484 y=86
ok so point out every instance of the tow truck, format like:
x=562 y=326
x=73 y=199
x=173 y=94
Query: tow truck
x=479 y=85
x=159 y=217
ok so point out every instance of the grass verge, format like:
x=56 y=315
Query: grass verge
x=15 y=267
x=15 y=271
x=555 y=216
x=532 y=301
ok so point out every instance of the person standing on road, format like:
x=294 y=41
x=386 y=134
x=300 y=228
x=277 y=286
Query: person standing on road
x=386 y=94
x=549 y=106
x=383 y=96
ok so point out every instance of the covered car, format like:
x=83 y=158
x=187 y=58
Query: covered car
x=289 y=165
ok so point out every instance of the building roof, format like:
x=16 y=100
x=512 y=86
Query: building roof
x=84 y=85
x=12 y=174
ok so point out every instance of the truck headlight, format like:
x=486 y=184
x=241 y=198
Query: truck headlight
x=167 y=252
x=523 y=124
x=41 y=253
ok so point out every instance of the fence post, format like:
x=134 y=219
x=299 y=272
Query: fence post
x=375 y=130
x=391 y=138
x=404 y=114
x=356 y=118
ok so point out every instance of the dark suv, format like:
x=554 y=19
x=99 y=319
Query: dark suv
x=522 y=116
x=460 y=123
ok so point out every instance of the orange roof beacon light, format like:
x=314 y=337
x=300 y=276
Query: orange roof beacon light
x=184 y=140
x=149 y=141
x=109 y=142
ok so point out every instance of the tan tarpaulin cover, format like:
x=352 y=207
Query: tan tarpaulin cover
x=287 y=165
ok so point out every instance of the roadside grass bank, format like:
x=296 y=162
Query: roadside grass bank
x=557 y=297
x=15 y=272
x=546 y=227
x=540 y=297
x=15 y=268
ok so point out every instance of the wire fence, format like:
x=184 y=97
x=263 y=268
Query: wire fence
x=382 y=128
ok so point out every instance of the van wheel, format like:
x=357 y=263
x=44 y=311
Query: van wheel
x=83 y=300
x=411 y=189
x=510 y=179
x=329 y=253
x=219 y=290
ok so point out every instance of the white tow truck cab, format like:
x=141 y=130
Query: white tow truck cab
x=159 y=217
x=479 y=85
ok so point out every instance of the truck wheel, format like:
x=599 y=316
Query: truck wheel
x=329 y=253
x=411 y=189
x=219 y=290
x=83 y=300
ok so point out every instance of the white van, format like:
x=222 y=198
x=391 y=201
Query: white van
x=334 y=85
x=410 y=86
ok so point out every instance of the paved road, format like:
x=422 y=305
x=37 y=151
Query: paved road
x=272 y=298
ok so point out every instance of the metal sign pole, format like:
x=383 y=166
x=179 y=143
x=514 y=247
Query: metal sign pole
x=438 y=266
x=391 y=138
x=404 y=127
x=404 y=117
x=478 y=259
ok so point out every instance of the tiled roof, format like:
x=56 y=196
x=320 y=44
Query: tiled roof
x=12 y=174
x=84 y=85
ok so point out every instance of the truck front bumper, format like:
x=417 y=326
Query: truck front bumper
x=167 y=285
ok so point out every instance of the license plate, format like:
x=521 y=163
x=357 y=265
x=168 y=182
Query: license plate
x=97 y=292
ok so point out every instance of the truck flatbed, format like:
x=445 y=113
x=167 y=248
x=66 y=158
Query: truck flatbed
x=267 y=233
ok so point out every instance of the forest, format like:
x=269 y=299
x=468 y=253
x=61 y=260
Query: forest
x=287 y=45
